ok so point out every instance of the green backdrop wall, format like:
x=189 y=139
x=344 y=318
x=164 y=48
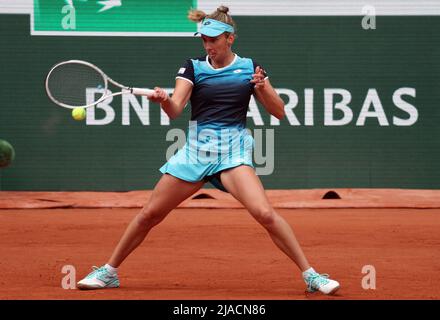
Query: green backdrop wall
x=301 y=54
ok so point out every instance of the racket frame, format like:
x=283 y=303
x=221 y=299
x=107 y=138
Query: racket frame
x=106 y=78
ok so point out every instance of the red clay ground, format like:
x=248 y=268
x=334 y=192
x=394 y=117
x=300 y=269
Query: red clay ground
x=222 y=253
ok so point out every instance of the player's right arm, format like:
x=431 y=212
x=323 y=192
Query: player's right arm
x=173 y=106
x=182 y=92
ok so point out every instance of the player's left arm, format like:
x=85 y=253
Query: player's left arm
x=266 y=94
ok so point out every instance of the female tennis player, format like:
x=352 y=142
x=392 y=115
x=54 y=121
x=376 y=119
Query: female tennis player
x=218 y=148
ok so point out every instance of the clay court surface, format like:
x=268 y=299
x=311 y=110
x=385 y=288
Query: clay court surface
x=200 y=253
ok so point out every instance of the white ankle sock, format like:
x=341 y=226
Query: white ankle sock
x=111 y=269
x=308 y=271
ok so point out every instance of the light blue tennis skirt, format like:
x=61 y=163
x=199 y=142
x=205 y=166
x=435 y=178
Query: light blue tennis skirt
x=210 y=149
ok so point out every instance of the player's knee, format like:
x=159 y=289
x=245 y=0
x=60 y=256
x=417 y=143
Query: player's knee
x=150 y=216
x=265 y=216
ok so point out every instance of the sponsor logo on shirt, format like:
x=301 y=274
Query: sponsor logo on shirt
x=181 y=70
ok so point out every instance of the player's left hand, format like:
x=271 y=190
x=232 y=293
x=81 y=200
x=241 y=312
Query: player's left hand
x=258 y=78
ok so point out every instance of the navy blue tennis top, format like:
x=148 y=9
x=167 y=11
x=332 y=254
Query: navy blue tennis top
x=219 y=95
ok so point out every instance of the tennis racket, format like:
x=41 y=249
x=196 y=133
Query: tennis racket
x=76 y=83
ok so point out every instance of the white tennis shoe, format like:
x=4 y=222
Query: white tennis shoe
x=320 y=282
x=99 y=278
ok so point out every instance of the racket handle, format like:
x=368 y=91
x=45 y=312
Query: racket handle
x=142 y=91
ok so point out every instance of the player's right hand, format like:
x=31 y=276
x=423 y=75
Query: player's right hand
x=159 y=95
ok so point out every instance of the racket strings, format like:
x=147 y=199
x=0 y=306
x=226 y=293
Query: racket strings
x=75 y=85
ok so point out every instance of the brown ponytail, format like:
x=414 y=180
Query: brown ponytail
x=221 y=14
x=196 y=15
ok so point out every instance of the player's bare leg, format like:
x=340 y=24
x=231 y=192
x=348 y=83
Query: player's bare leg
x=167 y=194
x=245 y=186
x=243 y=183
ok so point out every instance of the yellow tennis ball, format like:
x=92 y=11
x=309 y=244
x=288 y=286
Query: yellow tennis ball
x=79 y=114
